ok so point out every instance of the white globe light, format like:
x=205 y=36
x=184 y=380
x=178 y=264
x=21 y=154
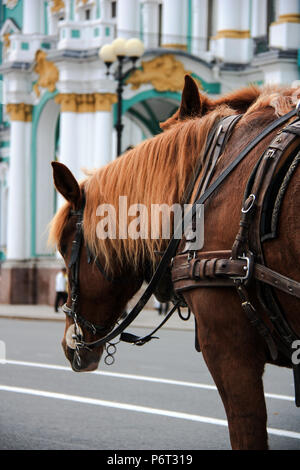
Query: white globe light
x=119 y=46
x=134 y=48
x=107 y=54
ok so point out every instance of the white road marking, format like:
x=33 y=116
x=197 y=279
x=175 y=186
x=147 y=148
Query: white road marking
x=136 y=408
x=139 y=377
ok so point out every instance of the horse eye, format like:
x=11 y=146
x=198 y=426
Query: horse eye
x=63 y=249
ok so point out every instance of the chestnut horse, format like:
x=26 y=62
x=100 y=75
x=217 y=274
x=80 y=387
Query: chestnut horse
x=156 y=172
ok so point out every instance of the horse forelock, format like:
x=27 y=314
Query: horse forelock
x=57 y=225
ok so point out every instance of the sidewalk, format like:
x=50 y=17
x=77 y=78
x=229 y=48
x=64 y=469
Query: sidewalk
x=148 y=318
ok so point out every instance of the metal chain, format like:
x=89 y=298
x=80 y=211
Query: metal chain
x=111 y=349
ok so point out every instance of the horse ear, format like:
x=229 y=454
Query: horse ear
x=66 y=183
x=192 y=103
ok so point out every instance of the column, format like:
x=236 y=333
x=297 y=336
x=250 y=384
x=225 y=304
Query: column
x=32 y=15
x=285 y=32
x=3 y=208
x=85 y=112
x=199 y=26
x=18 y=208
x=103 y=128
x=68 y=131
x=150 y=20
x=259 y=18
x=233 y=44
x=174 y=25
x=128 y=12
x=105 y=9
x=68 y=9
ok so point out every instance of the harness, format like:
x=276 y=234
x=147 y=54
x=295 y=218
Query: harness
x=245 y=262
x=195 y=269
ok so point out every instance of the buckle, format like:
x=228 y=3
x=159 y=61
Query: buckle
x=248 y=268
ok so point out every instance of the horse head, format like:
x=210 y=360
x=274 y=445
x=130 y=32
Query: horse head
x=95 y=300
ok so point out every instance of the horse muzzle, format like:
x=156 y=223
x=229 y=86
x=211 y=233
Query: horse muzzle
x=81 y=359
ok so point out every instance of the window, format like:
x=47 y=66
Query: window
x=88 y=14
x=75 y=33
x=113 y=9
x=160 y=13
x=271 y=12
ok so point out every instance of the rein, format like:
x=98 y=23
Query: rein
x=108 y=334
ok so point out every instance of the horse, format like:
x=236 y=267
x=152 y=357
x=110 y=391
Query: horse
x=107 y=272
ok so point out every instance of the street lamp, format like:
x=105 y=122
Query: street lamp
x=119 y=50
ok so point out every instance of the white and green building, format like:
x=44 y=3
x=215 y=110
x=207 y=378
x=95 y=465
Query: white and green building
x=60 y=104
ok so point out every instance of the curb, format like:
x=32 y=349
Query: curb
x=147 y=319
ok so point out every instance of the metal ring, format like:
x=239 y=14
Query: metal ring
x=111 y=349
x=109 y=359
x=253 y=197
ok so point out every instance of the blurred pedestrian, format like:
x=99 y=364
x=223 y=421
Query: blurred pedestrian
x=61 y=289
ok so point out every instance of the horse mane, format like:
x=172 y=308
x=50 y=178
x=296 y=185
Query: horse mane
x=169 y=159
x=282 y=99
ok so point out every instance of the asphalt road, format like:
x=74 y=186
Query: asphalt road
x=159 y=396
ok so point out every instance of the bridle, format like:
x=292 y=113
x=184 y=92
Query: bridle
x=74 y=267
x=107 y=333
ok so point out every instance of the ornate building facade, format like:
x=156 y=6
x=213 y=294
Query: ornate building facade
x=59 y=103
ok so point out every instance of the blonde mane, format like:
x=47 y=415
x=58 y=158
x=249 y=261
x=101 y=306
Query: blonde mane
x=155 y=172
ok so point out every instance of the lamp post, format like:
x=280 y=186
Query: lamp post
x=118 y=51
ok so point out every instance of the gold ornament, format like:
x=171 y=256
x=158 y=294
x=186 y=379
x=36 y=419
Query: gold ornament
x=85 y=102
x=19 y=112
x=47 y=71
x=57 y=6
x=165 y=73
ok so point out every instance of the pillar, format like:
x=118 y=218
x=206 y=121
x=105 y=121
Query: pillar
x=18 y=223
x=69 y=152
x=32 y=16
x=150 y=25
x=259 y=18
x=105 y=9
x=3 y=208
x=199 y=26
x=103 y=128
x=128 y=13
x=86 y=130
x=233 y=43
x=85 y=112
x=174 y=24
x=285 y=31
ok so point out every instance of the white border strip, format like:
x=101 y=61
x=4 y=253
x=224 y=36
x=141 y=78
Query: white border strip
x=136 y=408
x=138 y=377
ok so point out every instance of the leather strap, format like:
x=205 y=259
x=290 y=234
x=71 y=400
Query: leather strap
x=212 y=269
x=175 y=240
